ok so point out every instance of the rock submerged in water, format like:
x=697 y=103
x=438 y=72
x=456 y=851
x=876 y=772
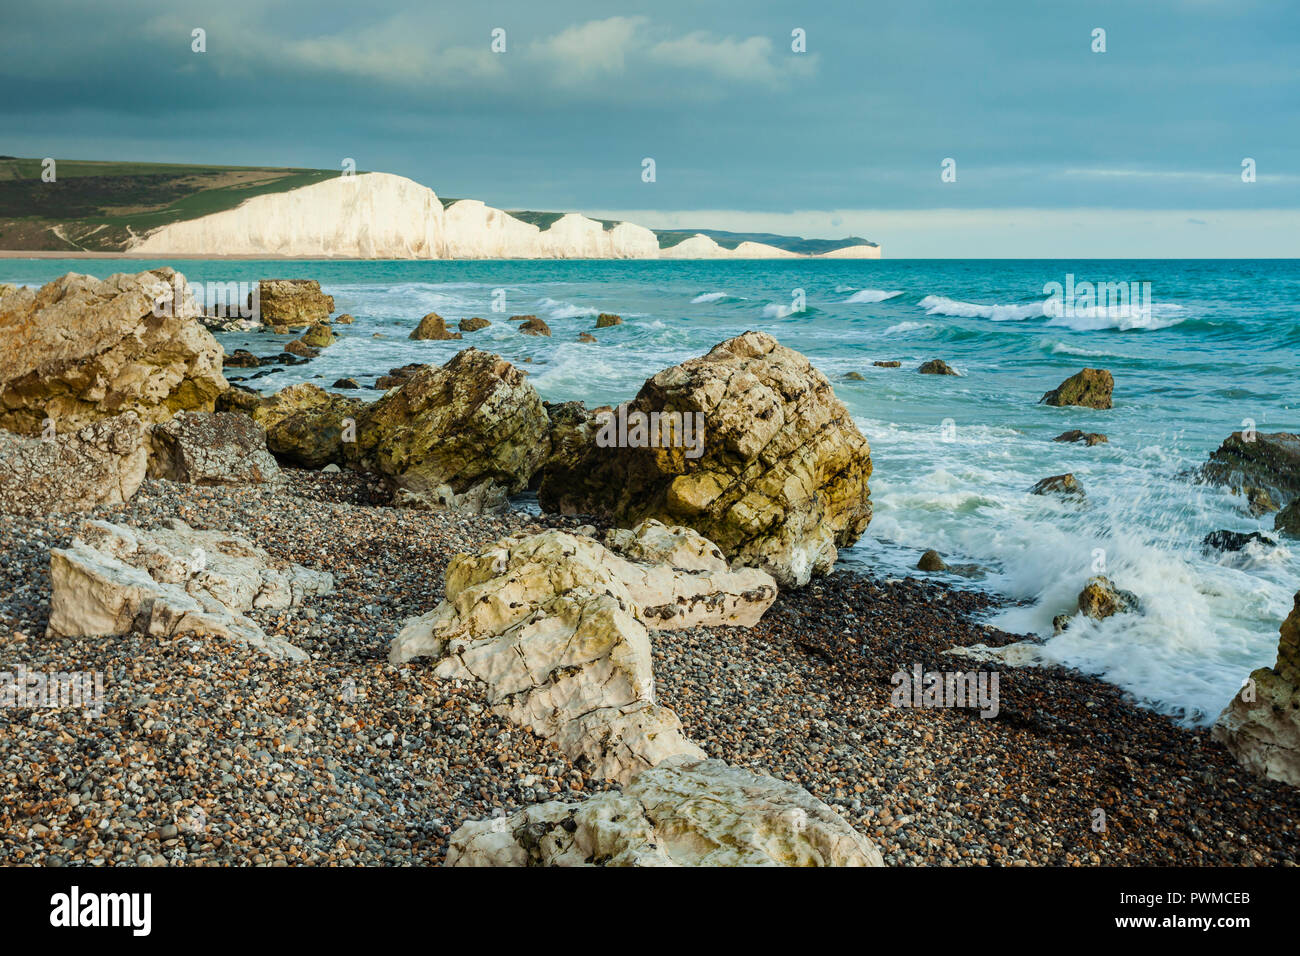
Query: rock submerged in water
x=1261 y=725
x=1233 y=541
x=936 y=367
x=211 y=448
x=606 y=320
x=780 y=481
x=554 y=625
x=931 y=561
x=1100 y=599
x=890 y=364
x=1088 y=438
x=173 y=581
x=292 y=303
x=473 y=324
x=241 y=358
x=683 y=812
x=535 y=326
x=1287 y=521
x=433 y=328
x=103 y=463
x=1258 y=462
x=319 y=336
x=79 y=350
x=1090 y=388
x=586 y=337
x=1065 y=486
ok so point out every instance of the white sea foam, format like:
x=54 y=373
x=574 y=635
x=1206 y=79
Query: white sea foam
x=777 y=310
x=942 y=305
x=902 y=327
x=709 y=297
x=871 y=295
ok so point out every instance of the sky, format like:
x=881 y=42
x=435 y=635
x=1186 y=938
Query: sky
x=1058 y=149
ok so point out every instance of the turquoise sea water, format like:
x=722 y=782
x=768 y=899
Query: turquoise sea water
x=954 y=457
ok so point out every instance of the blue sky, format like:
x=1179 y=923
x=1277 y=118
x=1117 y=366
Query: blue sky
x=1059 y=150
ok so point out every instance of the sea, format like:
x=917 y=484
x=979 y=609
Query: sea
x=1212 y=348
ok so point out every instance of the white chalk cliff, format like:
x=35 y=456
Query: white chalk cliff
x=382 y=216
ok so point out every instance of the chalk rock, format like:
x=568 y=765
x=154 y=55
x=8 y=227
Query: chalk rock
x=211 y=448
x=555 y=626
x=1261 y=726
x=780 y=481
x=683 y=812
x=80 y=349
x=171 y=581
x=101 y=464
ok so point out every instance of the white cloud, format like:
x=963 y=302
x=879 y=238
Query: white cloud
x=747 y=60
x=588 y=50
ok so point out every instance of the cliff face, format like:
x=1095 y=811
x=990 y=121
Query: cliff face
x=382 y=216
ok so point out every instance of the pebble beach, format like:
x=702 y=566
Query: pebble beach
x=208 y=755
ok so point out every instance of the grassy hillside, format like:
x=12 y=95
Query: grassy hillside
x=98 y=206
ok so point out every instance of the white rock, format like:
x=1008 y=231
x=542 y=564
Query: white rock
x=555 y=626
x=682 y=812
x=171 y=581
x=102 y=463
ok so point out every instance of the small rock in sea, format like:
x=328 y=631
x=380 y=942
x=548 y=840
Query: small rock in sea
x=288 y=358
x=606 y=319
x=1063 y=485
x=931 y=561
x=344 y=319
x=1100 y=599
x=1233 y=541
x=855 y=377
x=936 y=367
x=472 y=325
x=892 y=364
x=346 y=383
x=298 y=347
x=241 y=358
x=1259 y=501
x=319 y=336
x=433 y=327
x=1060 y=623
x=1090 y=388
x=586 y=337
x=1075 y=435
x=535 y=326
x=520 y=318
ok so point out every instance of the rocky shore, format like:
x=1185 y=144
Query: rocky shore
x=326 y=631
x=206 y=754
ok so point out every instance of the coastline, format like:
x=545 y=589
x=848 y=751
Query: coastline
x=358 y=761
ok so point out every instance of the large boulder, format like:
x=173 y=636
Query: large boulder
x=101 y=464
x=211 y=448
x=1261 y=726
x=1254 y=461
x=293 y=303
x=1090 y=388
x=433 y=327
x=555 y=626
x=463 y=436
x=776 y=474
x=80 y=349
x=306 y=426
x=684 y=812
x=172 y=581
